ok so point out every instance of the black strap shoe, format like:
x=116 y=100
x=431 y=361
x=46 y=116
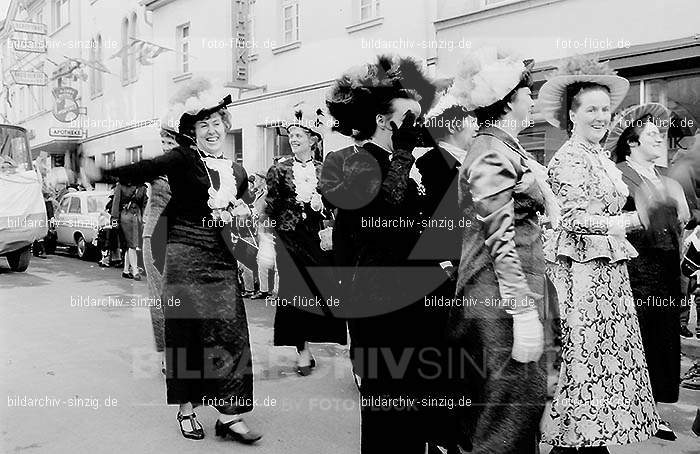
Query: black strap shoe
x=665 y=432
x=224 y=430
x=197 y=433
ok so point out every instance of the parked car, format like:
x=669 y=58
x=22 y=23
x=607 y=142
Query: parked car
x=80 y=216
x=22 y=210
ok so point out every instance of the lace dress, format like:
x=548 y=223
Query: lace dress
x=603 y=396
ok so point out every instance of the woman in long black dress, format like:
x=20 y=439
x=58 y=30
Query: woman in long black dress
x=208 y=357
x=655 y=273
x=377 y=201
x=306 y=283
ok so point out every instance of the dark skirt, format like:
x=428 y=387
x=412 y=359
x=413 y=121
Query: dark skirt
x=131 y=225
x=206 y=334
x=508 y=396
x=306 y=283
x=656 y=286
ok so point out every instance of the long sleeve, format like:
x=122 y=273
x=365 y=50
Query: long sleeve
x=395 y=185
x=148 y=169
x=569 y=176
x=592 y=194
x=331 y=179
x=273 y=196
x=358 y=180
x=492 y=180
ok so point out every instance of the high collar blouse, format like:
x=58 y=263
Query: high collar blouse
x=590 y=190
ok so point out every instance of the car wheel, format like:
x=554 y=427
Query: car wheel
x=82 y=248
x=19 y=260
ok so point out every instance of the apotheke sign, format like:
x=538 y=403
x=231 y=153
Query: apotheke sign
x=70 y=133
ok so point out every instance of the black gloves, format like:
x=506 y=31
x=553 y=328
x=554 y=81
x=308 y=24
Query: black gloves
x=406 y=138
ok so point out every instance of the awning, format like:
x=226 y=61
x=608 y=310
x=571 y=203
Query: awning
x=56 y=146
x=646 y=58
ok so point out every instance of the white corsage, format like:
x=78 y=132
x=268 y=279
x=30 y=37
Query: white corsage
x=326 y=236
x=316 y=202
x=415 y=175
x=305 y=185
x=221 y=200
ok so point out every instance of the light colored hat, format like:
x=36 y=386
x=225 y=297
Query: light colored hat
x=483 y=77
x=633 y=114
x=198 y=97
x=552 y=95
x=305 y=116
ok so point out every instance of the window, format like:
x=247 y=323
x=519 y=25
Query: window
x=238 y=146
x=681 y=94
x=125 y=51
x=632 y=97
x=290 y=21
x=96 y=204
x=64 y=204
x=109 y=159
x=274 y=145
x=35 y=98
x=135 y=154
x=369 y=9
x=60 y=13
x=58 y=160
x=533 y=140
x=74 y=205
x=183 y=48
x=95 y=74
x=133 y=33
x=96 y=85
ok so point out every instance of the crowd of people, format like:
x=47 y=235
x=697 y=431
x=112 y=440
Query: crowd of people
x=435 y=199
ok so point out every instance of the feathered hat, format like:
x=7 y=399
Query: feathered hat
x=196 y=99
x=363 y=89
x=483 y=77
x=552 y=98
x=305 y=116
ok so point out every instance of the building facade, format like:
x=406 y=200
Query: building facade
x=656 y=45
x=276 y=53
x=97 y=96
x=111 y=67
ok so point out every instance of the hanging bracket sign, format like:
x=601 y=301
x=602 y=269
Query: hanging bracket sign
x=30 y=77
x=29 y=27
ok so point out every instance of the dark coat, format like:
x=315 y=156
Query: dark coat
x=441 y=236
x=131 y=203
x=655 y=277
x=502 y=262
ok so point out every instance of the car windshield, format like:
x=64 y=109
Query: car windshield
x=96 y=204
x=14 y=151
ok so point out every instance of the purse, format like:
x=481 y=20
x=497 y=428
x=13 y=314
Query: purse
x=244 y=251
x=691 y=259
